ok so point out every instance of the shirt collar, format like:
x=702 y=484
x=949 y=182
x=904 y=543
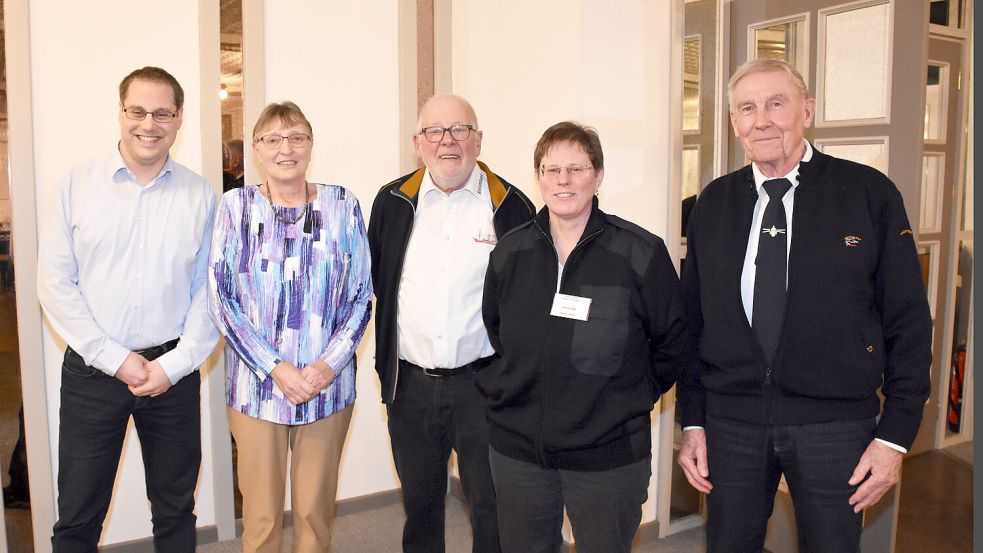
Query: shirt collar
x=118 y=170
x=792 y=176
x=477 y=185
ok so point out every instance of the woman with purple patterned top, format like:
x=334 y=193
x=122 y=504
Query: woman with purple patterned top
x=290 y=288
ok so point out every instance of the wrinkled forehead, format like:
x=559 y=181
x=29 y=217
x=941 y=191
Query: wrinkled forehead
x=764 y=85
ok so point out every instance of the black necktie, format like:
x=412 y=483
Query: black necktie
x=769 y=275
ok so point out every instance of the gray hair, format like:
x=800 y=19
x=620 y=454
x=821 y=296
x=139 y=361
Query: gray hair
x=764 y=66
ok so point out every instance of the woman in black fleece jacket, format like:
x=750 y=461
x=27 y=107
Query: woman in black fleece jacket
x=585 y=313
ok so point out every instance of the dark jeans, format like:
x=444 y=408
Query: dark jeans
x=604 y=507
x=430 y=416
x=746 y=462
x=95 y=409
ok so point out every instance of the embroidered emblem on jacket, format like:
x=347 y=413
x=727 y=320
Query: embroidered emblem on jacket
x=906 y=231
x=851 y=241
x=773 y=231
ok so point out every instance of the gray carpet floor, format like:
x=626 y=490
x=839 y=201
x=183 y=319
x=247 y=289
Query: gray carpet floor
x=379 y=531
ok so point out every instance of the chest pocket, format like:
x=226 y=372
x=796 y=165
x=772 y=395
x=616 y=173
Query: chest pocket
x=599 y=343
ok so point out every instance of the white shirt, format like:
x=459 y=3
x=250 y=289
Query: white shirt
x=439 y=311
x=123 y=267
x=754 y=234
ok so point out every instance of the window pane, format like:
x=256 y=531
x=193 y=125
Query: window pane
x=936 y=92
x=933 y=170
x=691 y=84
x=856 y=64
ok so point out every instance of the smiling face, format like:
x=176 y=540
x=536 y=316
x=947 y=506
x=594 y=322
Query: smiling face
x=569 y=198
x=285 y=164
x=450 y=162
x=144 y=144
x=770 y=116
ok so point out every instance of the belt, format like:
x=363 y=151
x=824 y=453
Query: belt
x=154 y=352
x=473 y=366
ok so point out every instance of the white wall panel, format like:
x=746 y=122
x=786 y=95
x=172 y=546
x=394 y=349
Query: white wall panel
x=527 y=65
x=339 y=62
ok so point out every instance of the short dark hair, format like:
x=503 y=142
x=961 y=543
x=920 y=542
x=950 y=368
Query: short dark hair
x=570 y=131
x=154 y=75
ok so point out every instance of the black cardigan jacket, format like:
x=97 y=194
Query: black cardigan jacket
x=390 y=225
x=574 y=394
x=856 y=315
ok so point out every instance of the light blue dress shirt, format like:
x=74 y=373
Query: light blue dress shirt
x=123 y=267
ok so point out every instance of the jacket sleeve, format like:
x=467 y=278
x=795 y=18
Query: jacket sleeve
x=899 y=296
x=489 y=305
x=690 y=392
x=666 y=320
x=375 y=238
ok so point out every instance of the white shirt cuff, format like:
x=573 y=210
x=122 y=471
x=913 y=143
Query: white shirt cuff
x=895 y=447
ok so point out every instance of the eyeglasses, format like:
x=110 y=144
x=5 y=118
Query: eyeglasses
x=273 y=141
x=436 y=134
x=553 y=171
x=160 y=115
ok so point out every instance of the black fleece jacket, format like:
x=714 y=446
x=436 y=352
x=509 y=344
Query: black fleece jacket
x=573 y=394
x=390 y=225
x=856 y=314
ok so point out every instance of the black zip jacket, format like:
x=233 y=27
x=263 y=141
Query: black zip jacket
x=573 y=394
x=390 y=225
x=856 y=313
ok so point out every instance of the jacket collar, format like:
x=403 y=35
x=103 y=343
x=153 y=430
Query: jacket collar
x=410 y=188
x=807 y=172
x=595 y=222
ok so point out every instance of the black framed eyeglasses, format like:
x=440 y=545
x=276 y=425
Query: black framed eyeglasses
x=160 y=115
x=273 y=141
x=436 y=134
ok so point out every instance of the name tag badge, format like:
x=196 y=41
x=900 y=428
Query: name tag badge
x=570 y=307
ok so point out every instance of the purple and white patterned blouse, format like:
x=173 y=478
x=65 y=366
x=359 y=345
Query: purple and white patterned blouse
x=295 y=292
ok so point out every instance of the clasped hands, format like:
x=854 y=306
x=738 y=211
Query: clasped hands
x=302 y=385
x=144 y=378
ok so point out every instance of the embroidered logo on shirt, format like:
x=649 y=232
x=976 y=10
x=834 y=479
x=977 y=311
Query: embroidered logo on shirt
x=773 y=231
x=906 y=231
x=485 y=238
x=851 y=241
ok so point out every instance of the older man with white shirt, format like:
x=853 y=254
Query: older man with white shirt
x=430 y=234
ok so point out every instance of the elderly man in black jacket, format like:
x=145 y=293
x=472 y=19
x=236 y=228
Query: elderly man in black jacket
x=804 y=297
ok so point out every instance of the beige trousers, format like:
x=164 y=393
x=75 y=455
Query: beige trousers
x=262 y=471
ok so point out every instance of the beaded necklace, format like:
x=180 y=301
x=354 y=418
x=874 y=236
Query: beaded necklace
x=276 y=211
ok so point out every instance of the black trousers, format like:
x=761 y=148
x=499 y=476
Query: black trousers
x=746 y=463
x=432 y=415
x=95 y=410
x=605 y=507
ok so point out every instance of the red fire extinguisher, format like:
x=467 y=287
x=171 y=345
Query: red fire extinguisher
x=956 y=388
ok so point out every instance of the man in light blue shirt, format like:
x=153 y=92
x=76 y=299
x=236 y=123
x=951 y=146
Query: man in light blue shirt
x=122 y=279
